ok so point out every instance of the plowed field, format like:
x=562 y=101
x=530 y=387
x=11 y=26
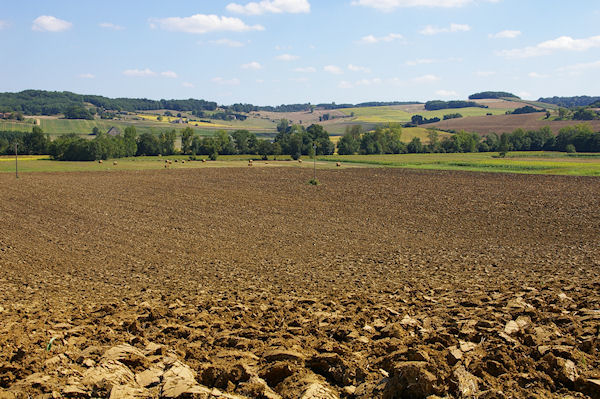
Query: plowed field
x=248 y=282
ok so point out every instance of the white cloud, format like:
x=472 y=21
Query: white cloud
x=434 y=30
x=229 y=82
x=86 y=76
x=139 y=73
x=287 y=57
x=260 y=81
x=201 y=23
x=169 y=74
x=109 y=25
x=580 y=67
x=3 y=24
x=420 y=61
x=336 y=70
x=305 y=69
x=356 y=68
x=370 y=39
x=270 y=6
x=227 y=42
x=188 y=85
x=536 y=75
x=485 y=74
x=300 y=80
x=390 y=5
x=446 y=93
x=423 y=61
x=252 y=65
x=344 y=84
x=563 y=43
x=524 y=94
x=48 y=23
x=506 y=34
x=426 y=79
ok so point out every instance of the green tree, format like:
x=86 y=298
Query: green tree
x=130 y=141
x=187 y=136
x=349 y=143
x=415 y=146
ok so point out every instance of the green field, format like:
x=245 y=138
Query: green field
x=522 y=162
x=54 y=126
x=392 y=114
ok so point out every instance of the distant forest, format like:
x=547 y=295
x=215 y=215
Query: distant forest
x=491 y=94
x=41 y=102
x=569 y=102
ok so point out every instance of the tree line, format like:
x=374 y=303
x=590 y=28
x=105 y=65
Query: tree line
x=438 y=104
x=42 y=102
x=386 y=140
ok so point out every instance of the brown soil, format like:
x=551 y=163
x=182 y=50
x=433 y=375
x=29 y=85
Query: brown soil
x=506 y=123
x=232 y=283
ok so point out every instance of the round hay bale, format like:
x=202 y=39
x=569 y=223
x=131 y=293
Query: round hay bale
x=100 y=161
x=204 y=160
x=338 y=164
x=114 y=163
x=299 y=161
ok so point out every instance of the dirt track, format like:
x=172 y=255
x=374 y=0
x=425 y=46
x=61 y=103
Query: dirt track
x=251 y=283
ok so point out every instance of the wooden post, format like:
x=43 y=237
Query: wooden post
x=315 y=161
x=16 y=160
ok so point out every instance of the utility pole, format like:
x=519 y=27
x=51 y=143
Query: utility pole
x=315 y=160
x=16 y=160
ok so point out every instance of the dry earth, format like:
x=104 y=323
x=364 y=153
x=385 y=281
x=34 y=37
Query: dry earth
x=233 y=283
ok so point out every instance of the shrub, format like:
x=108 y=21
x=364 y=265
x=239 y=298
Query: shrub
x=570 y=148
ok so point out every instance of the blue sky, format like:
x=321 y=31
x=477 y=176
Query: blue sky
x=286 y=51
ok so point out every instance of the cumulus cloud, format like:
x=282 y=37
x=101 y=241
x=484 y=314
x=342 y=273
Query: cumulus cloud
x=169 y=74
x=86 y=76
x=344 y=84
x=271 y=6
x=563 y=43
x=506 y=34
x=336 y=70
x=48 y=23
x=356 y=68
x=201 y=23
x=371 y=39
x=252 y=65
x=287 y=57
x=227 y=42
x=299 y=80
x=229 y=82
x=390 y=5
x=305 y=69
x=139 y=73
x=110 y=25
x=580 y=67
x=426 y=79
x=434 y=30
x=3 y=24
x=536 y=75
x=446 y=93
x=188 y=85
x=424 y=61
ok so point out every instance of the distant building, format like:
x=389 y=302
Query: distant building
x=113 y=131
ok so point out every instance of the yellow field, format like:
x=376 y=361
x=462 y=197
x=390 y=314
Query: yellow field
x=169 y=119
x=11 y=158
